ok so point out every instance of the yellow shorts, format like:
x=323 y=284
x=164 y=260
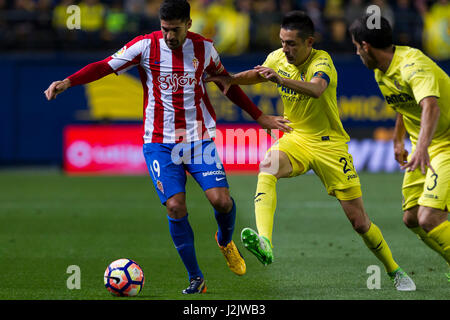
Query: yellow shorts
x=329 y=160
x=430 y=190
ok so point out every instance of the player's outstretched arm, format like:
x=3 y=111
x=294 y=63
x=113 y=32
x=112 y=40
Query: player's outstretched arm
x=229 y=85
x=89 y=73
x=428 y=124
x=56 y=88
x=269 y=122
x=313 y=88
x=248 y=77
x=400 y=153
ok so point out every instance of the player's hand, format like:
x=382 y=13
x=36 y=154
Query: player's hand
x=401 y=155
x=56 y=88
x=223 y=80
x=274 y=122
x=419 y=159
x=269 y=74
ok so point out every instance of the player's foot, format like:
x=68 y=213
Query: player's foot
x=234 y=259
x=258 y=245
x=402 y=281
x=197 y=285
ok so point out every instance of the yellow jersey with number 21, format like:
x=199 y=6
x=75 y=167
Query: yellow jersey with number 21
x=314 y=119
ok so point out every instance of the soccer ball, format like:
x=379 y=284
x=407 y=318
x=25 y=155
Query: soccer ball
x=124 y=277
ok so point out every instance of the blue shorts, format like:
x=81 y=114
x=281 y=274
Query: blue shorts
x=167 y=164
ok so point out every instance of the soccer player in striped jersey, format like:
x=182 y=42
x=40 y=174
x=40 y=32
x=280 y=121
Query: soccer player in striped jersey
x=419 y=91
x=179 y=125
x=307 y=80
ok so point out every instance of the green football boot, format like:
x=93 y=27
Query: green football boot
x=258 y=245
x=401 y=280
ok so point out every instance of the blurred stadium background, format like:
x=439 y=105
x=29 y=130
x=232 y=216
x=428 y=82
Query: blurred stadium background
x=37 y=47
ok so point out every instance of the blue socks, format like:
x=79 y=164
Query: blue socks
x=225 y=221
x=183 y=239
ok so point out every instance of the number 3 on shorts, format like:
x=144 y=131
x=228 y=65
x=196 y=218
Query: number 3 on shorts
x=435 y=176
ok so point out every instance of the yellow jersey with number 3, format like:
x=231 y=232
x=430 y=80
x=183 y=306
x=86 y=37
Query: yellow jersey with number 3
x=313 y=119
x=412 y=76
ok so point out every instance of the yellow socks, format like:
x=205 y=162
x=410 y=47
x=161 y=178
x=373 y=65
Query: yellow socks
x=441 y=234
x=422 y=234
x=265 y=204
x=375 y=242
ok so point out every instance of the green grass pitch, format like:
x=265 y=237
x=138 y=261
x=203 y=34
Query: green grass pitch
x=49 y=221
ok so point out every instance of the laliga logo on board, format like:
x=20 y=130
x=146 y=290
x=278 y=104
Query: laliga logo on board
x=174 y=81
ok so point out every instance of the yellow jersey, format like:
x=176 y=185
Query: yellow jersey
x=315 y=119
x=412 y=76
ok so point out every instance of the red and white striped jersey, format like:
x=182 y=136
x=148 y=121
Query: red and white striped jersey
x=176 y=104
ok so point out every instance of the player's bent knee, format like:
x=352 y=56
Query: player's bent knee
x=410 y=219
x=223 y=204
x=354 y=210
x=430 y=218
x=176 y=208
x=266 y=166
x=220 y=199
x=269 y=170
x=277 y=164
x=409 y=223
x=360 y=225
x=426 y=224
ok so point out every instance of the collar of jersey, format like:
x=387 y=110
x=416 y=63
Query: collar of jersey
x=393 y=61
x=307 y=60
x=165 y=47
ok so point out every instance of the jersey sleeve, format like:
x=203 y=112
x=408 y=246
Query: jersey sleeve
x=234 y=93
x=322 y=68
x=214 y=65
x=422 y=81
x=91 y=72
x=128 y=56
x=271 y=61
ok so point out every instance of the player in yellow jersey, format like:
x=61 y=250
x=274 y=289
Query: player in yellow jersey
x=306 y=79
x=419 y=91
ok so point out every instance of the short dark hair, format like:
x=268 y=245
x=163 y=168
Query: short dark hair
x=175 y=10
x=380 y=38
x=300 y=21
